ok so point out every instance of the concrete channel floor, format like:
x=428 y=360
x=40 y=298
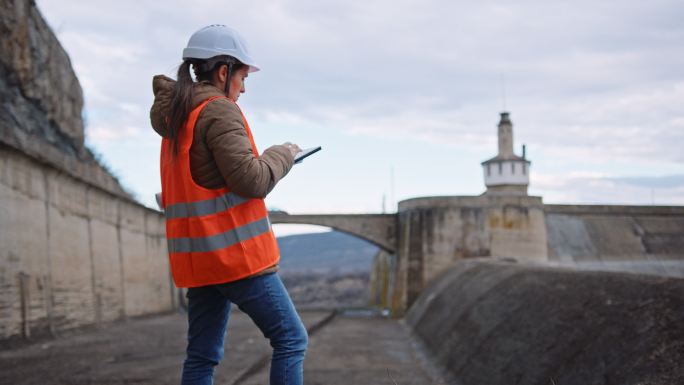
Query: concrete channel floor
x=346 y=350
x=361 y=350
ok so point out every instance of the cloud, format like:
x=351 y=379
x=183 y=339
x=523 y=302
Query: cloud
x=109 y=133
x=634 y=125
x=666 y=182
x=600 y=189
x=590 y=83
x=641 y=124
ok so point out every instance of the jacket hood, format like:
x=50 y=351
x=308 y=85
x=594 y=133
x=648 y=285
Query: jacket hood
x=162 y=87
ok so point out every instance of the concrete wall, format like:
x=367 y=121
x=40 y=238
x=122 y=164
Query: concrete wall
x=588 y=233
x=382 y=279
x=72 y=254
x=436 y=232
x=502 y=323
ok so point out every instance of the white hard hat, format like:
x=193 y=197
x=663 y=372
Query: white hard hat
x=216 y=40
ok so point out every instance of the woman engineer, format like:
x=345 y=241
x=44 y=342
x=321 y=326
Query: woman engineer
x=220 y=242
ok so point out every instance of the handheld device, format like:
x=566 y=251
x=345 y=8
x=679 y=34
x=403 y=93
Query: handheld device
x=303 y=154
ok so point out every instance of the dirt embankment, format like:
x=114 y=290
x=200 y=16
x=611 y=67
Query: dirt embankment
x=496 y=323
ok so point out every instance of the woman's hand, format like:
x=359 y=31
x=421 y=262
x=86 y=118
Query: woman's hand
x=294 y=149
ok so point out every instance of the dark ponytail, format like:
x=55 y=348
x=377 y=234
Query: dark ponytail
x=181 y=103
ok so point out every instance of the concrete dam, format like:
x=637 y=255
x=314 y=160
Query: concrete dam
x=502 y=323
x=499 y=288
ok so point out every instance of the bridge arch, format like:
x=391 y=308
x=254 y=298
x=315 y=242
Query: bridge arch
x=378 y=229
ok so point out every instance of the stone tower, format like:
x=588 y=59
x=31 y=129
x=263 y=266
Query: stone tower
x=506 y=173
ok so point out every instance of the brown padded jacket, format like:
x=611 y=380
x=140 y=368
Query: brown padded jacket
x=221 y=153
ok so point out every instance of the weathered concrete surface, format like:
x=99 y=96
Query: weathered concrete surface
x=614 y=233
x=379 y=229
x=436 y=232
x=472 y=226
x=72 y=254
x=75 y=249
x=382 y=279
x=361 y=350
x=663 y=268
x=497 y=323
x=139 y=351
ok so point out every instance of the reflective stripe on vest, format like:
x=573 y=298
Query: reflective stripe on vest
x=205 y=207
x=213 y=235
x=220 y=241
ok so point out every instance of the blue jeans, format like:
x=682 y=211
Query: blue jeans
x=267 y=303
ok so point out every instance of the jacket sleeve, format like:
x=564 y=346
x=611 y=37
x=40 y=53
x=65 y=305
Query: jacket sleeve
x=245 y=174
x=162 y=88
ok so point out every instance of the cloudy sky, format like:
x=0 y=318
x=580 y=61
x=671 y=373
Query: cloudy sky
x=404 y=96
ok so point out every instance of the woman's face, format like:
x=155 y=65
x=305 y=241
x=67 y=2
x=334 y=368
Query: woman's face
x=237 y=83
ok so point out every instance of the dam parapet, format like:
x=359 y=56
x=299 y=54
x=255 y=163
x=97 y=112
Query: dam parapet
x=434 y=233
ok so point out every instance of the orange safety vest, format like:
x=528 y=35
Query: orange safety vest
x=214 y=235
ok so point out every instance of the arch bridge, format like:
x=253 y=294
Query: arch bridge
x=378 y=229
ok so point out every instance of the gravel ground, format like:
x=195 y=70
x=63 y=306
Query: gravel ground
x=151 y=350
x=358 y=349
x=353 y=348
x=138 y=351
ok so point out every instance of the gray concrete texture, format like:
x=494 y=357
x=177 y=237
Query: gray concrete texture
x=436 y=232
x=382 y=280
x=663 y=268
x=147 y=350
x=76 y=249
x=73 y=254
x=150 y=350
x=614 y=233
x=362 y=350
x=502 y=323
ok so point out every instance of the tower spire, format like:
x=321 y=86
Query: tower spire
x=506 y=173
x=505 y=136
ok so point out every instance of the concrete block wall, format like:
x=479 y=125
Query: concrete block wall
x=436 y=232
x=72 y=254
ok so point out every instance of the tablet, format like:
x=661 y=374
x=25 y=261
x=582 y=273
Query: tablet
x=301 y=155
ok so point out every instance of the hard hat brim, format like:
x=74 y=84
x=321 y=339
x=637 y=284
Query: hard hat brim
x=204 y=54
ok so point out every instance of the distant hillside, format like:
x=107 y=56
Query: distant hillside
x=326 y=270
x=325 y=253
